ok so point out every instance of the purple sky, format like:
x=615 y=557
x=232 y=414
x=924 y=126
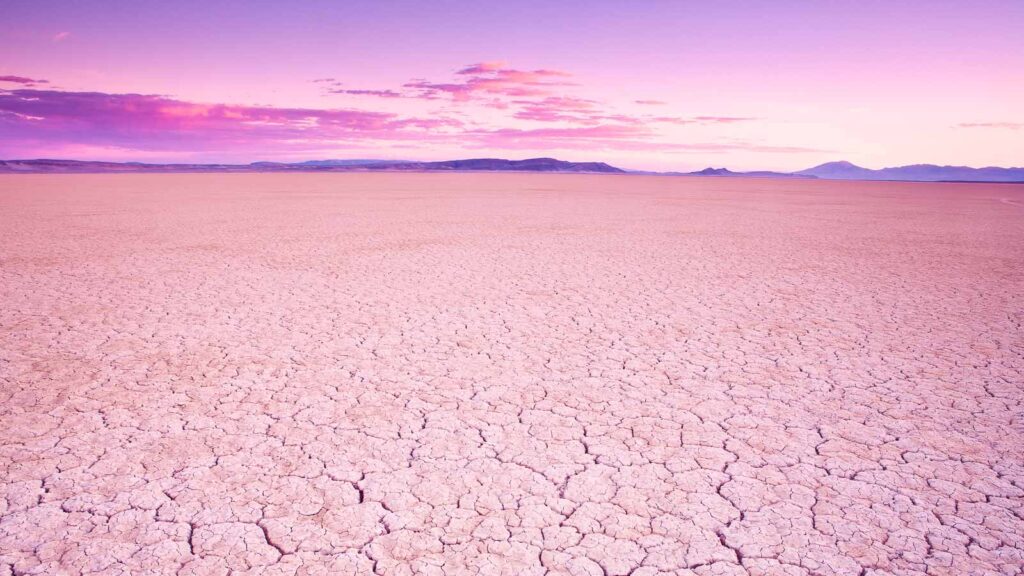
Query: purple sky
x=660 y=85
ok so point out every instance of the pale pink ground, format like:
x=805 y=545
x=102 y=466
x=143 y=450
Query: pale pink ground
x=509 y=374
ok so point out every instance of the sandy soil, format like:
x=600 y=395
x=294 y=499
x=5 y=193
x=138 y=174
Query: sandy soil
x=509 y=374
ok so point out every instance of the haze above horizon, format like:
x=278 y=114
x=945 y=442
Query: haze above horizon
x=654 y=86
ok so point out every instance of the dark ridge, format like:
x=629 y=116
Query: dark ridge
x=474 y=164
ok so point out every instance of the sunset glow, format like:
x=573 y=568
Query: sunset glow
x=653 y=85
x=512 y=288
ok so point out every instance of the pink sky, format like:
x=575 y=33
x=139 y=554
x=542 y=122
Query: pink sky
x=647 y=85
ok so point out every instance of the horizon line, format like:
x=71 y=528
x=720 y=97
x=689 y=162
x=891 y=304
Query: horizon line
x=371 y=161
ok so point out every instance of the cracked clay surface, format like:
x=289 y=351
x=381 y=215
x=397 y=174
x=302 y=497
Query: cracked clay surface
x=509 y=374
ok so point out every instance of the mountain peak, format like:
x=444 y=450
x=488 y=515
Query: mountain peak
x=839 y=169
x=839 y=164
x=711 y=171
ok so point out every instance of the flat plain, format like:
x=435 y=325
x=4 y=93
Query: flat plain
x=509 y=374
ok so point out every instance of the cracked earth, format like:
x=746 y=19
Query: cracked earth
x=509 y=374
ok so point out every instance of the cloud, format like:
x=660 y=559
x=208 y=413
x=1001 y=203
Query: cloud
x=701 y=119
x=150 y=122
x=59 y=36
x=47 y=120
x=672 y=120
x=533 y=95
x=589 y=112
x=504 y=82
x=378 y=93
x=1004 y=125
x=650 y=102
x=538 y=95
x=22 y=80
x=530 y=109
x=722 y=119
x=558 y=109
x=482 y=67
x=482 y=81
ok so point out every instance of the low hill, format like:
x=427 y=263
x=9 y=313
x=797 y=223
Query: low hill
x=475 y=164
x=726 y=173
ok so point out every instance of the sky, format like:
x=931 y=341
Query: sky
x=650 y=85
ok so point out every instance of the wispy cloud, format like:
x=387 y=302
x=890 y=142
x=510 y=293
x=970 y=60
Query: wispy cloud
x=722 y=119
x=150 y=122
x=490 y=80
x=480 y=80
x=483 y=67
x=61 y=36
x=538 y=109
x=1003 y=125
x=540 y=95
x=378 y=93
x=700 y=119
x=22 y=80
x=558 y=109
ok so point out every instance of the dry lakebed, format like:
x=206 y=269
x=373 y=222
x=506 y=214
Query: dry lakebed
x=521 y=374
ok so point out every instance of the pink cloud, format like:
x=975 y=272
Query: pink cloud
x=59 y=36
x=558 y=108
x=481 y=82
x=22 y=80
x=701 y=119
x=492 y=78
x=1005 y=125
x=149 y=122
x=378 y=93
x=503 y=86
x=571 y=110
x=650 y=102
x=566 y=103
x=672 y=120
x=535 y=95
x=482 y=67
x=602 y=132
x=53 y=120
x=722 y=119
x=49 y=119
x=432 y=90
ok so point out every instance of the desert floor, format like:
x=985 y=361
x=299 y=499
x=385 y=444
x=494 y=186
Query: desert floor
x=509 y=374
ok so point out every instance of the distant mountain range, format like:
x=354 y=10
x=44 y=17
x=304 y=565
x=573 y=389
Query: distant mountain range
x=846 y=171
x=915 y=172
x=827 y=171
x=475 y=164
